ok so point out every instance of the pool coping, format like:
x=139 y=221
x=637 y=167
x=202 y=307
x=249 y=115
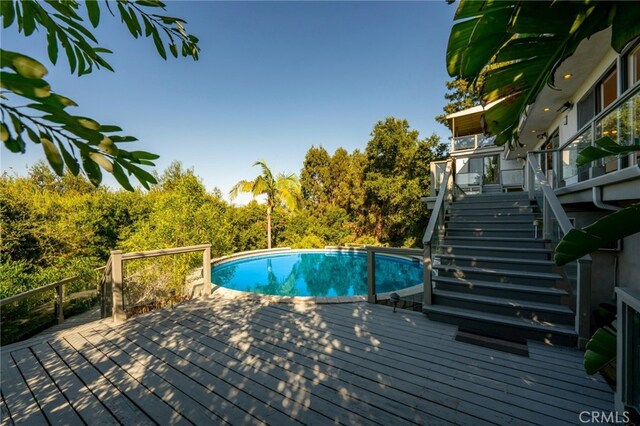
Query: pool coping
x=317 y=300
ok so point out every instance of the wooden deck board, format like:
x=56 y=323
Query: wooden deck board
x=406 y=375
x=250 y=361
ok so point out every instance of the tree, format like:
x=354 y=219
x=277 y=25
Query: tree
x=395 y=177
x=315 y=177
x=79 y=143
x=515 y=47
x=461 y=95
x=279 y=190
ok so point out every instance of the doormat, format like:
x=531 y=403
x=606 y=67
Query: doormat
x=513 y=346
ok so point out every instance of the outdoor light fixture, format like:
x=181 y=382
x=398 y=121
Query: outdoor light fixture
x=565 y=107
x=546 y=109
x=394 y=299
x=567 y=76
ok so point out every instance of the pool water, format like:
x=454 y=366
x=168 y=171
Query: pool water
x=317 y=273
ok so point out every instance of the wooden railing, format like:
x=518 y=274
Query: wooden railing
x=436 y=224
x=58 y=286
x=115 y=280
x=372 y=296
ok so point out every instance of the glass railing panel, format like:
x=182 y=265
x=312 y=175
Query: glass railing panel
x=486 y=141
x=622 y=125
x=570 y=172
x=468 y=179
x=464 y=142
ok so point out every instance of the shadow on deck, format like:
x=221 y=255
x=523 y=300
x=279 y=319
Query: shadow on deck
x=250 y=361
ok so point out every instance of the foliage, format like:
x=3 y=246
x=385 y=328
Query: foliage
x=579 y=242
x=280 y=190
x=461 y=95
x=32 y=111
x=606 y=147
x=395 y=177
x=515 y=47
x=601 y=349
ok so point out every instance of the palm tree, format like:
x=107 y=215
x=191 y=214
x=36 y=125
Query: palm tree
x=281 y=190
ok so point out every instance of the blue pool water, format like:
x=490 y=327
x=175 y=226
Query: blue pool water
x=317 y=273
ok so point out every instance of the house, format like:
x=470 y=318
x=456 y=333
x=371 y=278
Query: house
x=597 y=94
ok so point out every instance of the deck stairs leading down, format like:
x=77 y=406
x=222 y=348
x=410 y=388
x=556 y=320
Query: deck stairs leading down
x=495 y=276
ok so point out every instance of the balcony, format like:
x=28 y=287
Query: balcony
x=620 y=122
x=464 y=143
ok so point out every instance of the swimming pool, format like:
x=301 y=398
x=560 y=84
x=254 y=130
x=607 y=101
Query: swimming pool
x=323 y=273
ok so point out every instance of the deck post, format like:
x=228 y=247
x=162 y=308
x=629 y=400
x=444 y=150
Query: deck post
x=206 y=272
x=60 y=300
x=117 y=285
x=371 y=275
x=583 y=301
x=426 y=274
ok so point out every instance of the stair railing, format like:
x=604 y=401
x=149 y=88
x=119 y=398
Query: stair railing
x=435 y=230
x=555 y=225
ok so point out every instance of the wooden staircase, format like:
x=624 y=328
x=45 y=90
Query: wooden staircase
x=495 y=275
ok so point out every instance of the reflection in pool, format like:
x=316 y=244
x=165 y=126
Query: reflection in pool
x=315 y=273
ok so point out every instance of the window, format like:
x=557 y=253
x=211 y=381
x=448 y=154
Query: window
x=491 y=171
x=586 y=108
x=632 y=65
x=608 y=89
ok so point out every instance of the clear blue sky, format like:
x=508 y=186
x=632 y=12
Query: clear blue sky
x=273 y=79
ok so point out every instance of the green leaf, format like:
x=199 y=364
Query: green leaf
x=150 y=3
x=52 y=46
x=31 y=88
x=600 y=350
x=88 y=123
x=53 y=156
x=580 y=242
x=4 y=133
x=17 y=124
x=109 y=129
x=174 y=50
x=8 y=13
x=625 y=26
x=91 y=169
x=93 y=11
x=28 y=20
x=123 y=138
x=69 y=160
x=71 y=56
x=24 y=65
x=33 y=136
x=126 y=18
x=15 y=145
x=143 y=155
x=158 y=43
x=607 y=148
x=102 y=161
x=121 y=177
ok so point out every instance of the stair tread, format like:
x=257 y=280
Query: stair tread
x=498 y=271
x=497 y=259
x=485 y=248
x=501 y=286
x=515 y=303
x=514 y=221
x=458 y=228
x=501 y=319
x=511 y=239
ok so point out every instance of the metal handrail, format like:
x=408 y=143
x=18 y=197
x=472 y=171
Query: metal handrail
x=549 y=195
x=551 y=205
x=446 y=187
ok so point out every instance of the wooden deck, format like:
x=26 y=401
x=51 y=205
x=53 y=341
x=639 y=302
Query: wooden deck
x=250 y=361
